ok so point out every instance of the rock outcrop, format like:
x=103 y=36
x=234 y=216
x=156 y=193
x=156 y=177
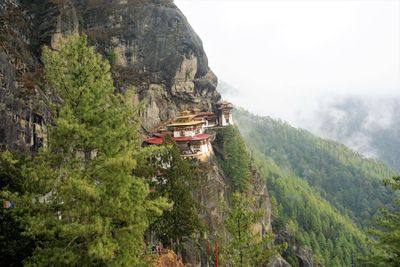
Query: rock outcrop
x=278 y=261
x=20 y=100
x=149 y=44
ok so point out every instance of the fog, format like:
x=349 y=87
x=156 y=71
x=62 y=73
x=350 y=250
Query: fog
x=287 y=59
x=359 y=122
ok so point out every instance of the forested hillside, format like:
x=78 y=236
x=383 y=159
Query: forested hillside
x=349 y=181
x=323 y=194
x=303 y=219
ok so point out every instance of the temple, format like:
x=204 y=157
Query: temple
x=192 y=130
x=225 y=113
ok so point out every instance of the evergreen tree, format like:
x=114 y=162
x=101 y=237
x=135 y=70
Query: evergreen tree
x=175 y=179
x=246 y=247
x=236 y=160
x=90 y=209
x=15 y=247
x=387 y=234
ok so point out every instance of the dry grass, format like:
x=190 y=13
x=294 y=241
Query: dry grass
x=169 y=259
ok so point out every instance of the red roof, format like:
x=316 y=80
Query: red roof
x=183 y=138
x=200 y=137
x=154 y=141
x=160 y=135
x=160 y=140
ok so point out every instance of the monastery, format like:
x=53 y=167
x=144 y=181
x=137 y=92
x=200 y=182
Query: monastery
x=191 y=130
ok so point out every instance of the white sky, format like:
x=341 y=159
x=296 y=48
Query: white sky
x=284 y=55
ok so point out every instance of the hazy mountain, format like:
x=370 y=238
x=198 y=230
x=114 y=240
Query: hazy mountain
x=369 y=125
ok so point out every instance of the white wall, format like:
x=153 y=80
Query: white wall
x=185 y=133
x=223 y=120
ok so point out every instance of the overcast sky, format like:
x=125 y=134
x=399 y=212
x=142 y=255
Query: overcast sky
x=285 y=55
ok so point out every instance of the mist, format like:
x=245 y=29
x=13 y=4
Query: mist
x=285 y=55
x=306 y=62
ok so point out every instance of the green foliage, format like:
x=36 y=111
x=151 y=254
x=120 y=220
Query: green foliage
x=15 y=246
x=246 y=246
x=89 y=208
x=235 y=158
x=10 y=171
x=386 y=232
x=175 y=179
x=111 y=56
x=312 y=221
x=347 y=180
x=322 y=192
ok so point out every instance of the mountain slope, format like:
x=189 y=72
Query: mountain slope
x=322 y=193
x=305 y=220
x=349 y=181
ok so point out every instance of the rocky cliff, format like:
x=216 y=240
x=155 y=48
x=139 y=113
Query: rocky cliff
x=150 y=46
x=149 y=43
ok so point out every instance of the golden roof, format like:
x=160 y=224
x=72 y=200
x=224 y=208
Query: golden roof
x=185 y=113
x=182 y=117
x=185 y=123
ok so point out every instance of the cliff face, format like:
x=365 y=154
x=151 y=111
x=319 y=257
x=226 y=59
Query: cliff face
x=149 y=43
x=215 y=189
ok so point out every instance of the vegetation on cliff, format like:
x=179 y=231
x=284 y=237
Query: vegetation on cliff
x=15 y=245
x=247 y=244
x=87 y=208
x=176 y=179
x=235 y=160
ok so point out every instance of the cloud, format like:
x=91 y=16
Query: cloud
x=283 y=55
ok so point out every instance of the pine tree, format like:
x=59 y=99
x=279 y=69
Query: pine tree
x=15 y=247
x=176 y=179
x=91 y=210
x=246 y=246
x=236 y=159
x=387 y=234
